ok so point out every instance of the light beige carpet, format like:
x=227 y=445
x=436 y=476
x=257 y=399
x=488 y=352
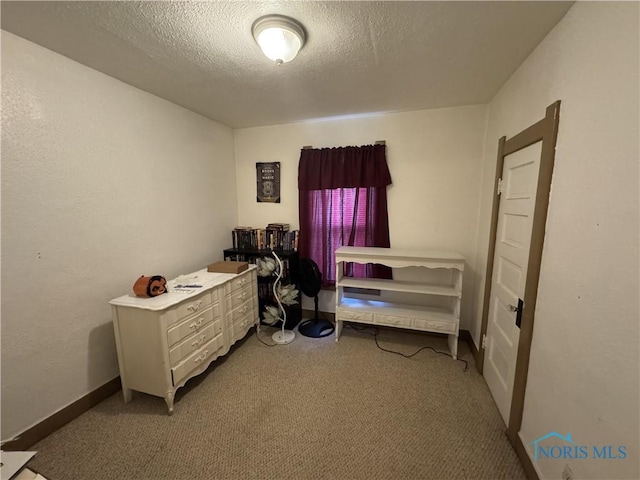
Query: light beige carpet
x=313 y=409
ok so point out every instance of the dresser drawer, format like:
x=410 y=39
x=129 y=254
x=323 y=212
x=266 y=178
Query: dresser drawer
x=195 y=341
x=355 y=316
x=196 y=359
x=435 y=326
x=392 y=320
x=238 y=283
x=192 y=324
x=240 y=312
x=191 y=306
x=239 y=297
x=240 y=328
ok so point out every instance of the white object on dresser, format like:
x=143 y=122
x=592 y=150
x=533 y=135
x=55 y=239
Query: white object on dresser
x=431 y=306
x=13 y=462
x=28 y=474
x=164 y=341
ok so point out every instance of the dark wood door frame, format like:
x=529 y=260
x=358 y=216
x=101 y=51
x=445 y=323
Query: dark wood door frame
x=546 y=131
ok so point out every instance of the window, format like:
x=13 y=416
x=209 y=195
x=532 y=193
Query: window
x=343 y=201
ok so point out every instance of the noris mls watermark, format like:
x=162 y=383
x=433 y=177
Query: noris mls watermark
x=556 y=446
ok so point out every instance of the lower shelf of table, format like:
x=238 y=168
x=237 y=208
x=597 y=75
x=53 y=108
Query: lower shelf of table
x=413 y=317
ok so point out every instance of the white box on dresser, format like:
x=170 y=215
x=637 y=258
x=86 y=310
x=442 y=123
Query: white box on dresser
x=164 y=341
x=434 y=305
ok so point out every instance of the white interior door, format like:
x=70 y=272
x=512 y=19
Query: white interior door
x=513 y=241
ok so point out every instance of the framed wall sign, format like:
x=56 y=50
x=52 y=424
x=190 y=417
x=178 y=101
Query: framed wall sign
x=268 y=182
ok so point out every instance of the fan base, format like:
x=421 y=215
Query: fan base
x=316 y=328
x=282 y=338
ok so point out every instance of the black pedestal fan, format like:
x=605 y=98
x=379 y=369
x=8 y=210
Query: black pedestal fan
x=310 y=284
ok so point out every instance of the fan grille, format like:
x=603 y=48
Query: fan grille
x=310 y=277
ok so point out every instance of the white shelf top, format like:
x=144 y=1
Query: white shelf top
x=395 y=257
x=208 y=280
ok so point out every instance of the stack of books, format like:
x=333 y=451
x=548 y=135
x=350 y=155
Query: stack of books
x=276 y=236
x=243 y=237
x=282 y=227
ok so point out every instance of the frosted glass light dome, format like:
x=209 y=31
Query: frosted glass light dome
x=279 y=37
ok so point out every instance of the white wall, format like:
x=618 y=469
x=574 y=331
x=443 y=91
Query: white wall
x=435 y=161
x=101 y=183
x=584 y=365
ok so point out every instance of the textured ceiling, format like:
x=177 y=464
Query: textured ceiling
x=360 y=57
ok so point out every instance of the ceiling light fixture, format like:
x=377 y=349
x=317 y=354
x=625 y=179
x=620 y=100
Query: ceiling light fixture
x=279 y=37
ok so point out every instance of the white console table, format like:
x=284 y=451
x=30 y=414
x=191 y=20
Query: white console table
x=164 y=341
x=431 y=305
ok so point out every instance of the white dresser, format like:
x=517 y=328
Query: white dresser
x=164 y=341
x=426 y=297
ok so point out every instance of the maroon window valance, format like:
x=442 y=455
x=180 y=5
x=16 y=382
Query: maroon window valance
x=343 y=167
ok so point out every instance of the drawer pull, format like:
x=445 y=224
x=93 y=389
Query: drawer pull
x=437 y=326
x=245 y=309
x=194 y=307
x=198 y=343
x=197 y=324
x=242 y=296
x=242 y=282
x=202 y=358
